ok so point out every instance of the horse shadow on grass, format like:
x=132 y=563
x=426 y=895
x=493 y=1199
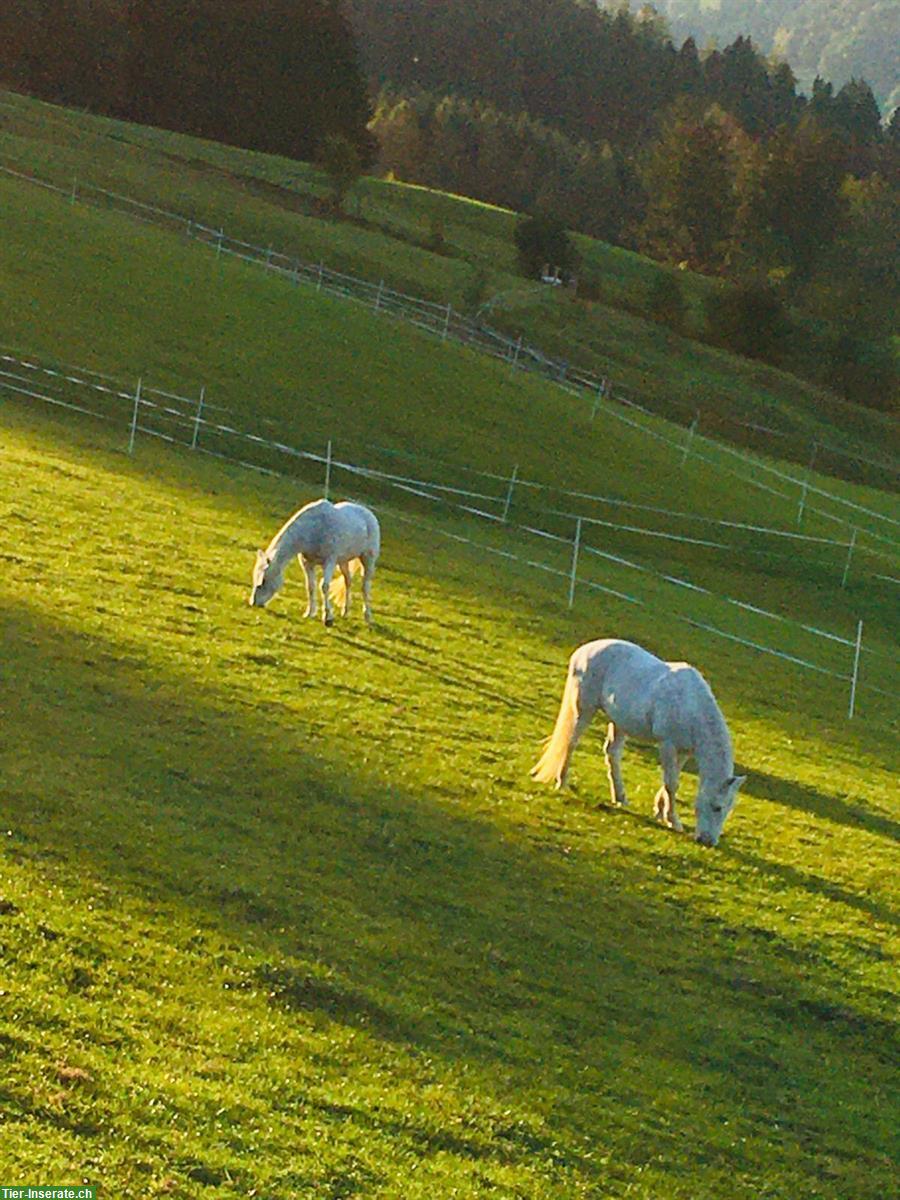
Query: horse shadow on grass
x=485 y=950
x=819 y=804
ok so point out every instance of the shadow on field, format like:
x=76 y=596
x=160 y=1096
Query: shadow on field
x=819 y=804
x=388 y=910
x=814 y=885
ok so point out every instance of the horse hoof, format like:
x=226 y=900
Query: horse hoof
x=329 y=621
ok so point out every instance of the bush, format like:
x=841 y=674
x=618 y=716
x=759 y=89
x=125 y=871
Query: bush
x=749 y=319
x=541 y=240
x=341 y=161
x=665 y=301
x=863 y=370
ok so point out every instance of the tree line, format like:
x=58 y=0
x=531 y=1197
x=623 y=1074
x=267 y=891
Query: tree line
x=274 y=75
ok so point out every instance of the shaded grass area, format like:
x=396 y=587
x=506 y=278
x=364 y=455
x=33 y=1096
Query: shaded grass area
x=281 y=910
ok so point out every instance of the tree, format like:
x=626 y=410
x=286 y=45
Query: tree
x=541 y=240
x=339 y=158
x=792 y=207
x=274 y=75
x=690 y=178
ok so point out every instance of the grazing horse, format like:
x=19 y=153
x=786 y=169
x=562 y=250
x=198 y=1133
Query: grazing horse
x=334 y=536
x=666 y=702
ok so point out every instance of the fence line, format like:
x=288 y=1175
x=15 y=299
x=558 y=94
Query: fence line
x=194 y=416
x=415 y=486
x=69 y=375
x=420 y=488
x=48 y=113
x=440 y=319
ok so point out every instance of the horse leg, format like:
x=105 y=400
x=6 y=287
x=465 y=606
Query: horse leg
x=368 y=567
x=309 y=570
x=664 y=805
x=612 y=750
x=348 y=575
x=328 y=567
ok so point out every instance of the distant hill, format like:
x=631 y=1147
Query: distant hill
x=836 y=39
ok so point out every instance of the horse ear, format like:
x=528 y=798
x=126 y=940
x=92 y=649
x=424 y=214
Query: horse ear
x=737 y=781
x=260 y=557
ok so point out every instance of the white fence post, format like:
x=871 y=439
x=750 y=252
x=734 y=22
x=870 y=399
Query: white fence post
x=690 y=439
x=812 y=459
x=378 y=294
x=198 y=418
x=319 y=280
x=74 y=195
x=575 y=548
x=219 y=238
x=517 y=352
x=446 y=323
x=328 y=468
x=134 y=417
x=853 y=682
x=601 y=392
x=509 y=492
x=849 y=556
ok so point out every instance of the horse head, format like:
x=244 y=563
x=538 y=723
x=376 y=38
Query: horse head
x=714 y=803
x=266 y=580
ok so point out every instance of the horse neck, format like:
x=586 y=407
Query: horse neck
x=712 y=743
x=287 y=542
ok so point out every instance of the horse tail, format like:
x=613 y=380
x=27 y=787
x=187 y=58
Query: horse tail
x=554 y=762
x=338 y=589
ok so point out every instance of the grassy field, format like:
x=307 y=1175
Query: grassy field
x=271 y=202
x=283 y=916
x=281 y=913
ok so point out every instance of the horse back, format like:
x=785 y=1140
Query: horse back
x=363 y=521
x=621 y=679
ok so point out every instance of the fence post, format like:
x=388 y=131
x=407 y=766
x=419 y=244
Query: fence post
x=134 y=417
x=74 y=195
x=509 y=492
x=268 y=257
x=850 y=711
x=805 y=489
x=601 y=392
x=328 y=468
x=849 y=556
x=198 y=418
x=575 y=548
x=378 y=294
x=296 y=272
x=518 y=351
x=319 y=280
x=221 y=235
x=690 y=438
x=446 y=323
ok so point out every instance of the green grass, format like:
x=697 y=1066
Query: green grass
x=270 y=202
x=282 y=911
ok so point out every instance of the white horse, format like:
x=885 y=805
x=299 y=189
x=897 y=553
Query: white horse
x=666 y=702
x=340 y=537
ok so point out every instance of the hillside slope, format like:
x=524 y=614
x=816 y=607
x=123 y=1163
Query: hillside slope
x=281 y=912
x=271 y=202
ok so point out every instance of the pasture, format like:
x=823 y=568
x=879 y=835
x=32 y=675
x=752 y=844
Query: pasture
x=282 y=913
x=271 y=202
